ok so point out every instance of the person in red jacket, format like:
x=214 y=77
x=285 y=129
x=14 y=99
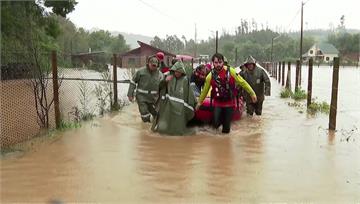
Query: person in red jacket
x=223 y=81
x=163 y=68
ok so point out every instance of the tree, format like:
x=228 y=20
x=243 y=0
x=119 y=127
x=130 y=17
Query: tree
x=61 y=8
x=118 y=44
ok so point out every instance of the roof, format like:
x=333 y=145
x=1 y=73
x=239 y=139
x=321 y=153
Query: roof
x=184 y=57
x=327 y=48
x=142 y=44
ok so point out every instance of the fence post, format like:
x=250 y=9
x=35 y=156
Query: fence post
x=55 y=88
x=279 y=74
x=297 y=75
x=283 y=74
x=334 y=94
x=300 y=67
x=310 y=74
x=288 y=77
x=115 y=80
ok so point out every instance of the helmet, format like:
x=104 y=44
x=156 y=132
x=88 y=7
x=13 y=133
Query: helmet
x=160 y=55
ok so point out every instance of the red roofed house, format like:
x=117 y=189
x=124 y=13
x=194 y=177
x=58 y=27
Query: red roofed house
x=137 y=57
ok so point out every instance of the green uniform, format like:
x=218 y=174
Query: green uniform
x=260 y=83
x=146 y=84
x=176 y=105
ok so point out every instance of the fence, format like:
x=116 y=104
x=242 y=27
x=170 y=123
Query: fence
x=278 y=72
x=86 y=87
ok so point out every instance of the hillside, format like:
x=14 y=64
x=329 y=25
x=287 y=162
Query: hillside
x=319 y=35
x=131 y=39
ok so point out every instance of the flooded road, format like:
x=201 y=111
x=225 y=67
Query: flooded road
x=284 y=156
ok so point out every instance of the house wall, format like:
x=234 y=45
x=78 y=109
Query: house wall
x=139 y=60
x=313 y=49
x=329 y=57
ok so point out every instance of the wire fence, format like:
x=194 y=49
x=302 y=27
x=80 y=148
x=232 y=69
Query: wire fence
x=26 y=96
x=86 y=90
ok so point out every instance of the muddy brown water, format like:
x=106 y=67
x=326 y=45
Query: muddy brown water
x=283 y=156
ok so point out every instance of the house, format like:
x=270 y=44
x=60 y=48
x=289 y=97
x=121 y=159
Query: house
x=88 y=58
x=137 y=57
x=321 y=52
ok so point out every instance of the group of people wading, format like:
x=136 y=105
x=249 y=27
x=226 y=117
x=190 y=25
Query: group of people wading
x=168 y=99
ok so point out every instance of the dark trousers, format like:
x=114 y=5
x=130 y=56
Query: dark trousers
x=223 y=116
x=145 y=110
x=254 y=107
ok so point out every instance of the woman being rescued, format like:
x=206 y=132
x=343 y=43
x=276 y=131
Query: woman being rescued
x=176 y=104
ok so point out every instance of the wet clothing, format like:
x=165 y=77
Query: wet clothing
x=197 y=81
x=223 y=94
x=260 y=83
x=146 y=84
x=164 y=69
x=176 y=106
x=224 y=77
x=223 y=116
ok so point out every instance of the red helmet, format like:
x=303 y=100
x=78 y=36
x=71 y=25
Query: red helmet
x=160 y=55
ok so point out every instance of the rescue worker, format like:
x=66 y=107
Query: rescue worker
x=146 y=82
x=223 y=82
x=259 y=82
x=177 y=102
x=163 y=68
x=197 y=79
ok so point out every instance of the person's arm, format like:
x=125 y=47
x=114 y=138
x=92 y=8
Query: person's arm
x=267 y=83
x=241 y=81
x=132 y=86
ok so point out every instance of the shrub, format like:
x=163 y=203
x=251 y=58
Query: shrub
x=286 y=93
x=315 y=107
x=299 y=94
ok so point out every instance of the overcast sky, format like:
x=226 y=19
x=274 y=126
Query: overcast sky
x=169 y=17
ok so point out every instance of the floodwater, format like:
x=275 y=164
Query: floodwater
x=283 y=156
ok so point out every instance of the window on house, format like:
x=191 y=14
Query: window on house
x=311 y=51
x=327 y=58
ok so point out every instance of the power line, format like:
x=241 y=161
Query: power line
x=161 y=12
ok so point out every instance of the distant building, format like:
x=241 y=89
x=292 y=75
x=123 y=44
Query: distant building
x=88 y=58
x=351 y=58
x=137 y=57
x=321 y=52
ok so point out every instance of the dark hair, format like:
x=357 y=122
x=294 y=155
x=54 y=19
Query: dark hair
x=218 y=56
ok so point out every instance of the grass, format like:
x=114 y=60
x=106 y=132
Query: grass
x=299 y=94
x=286 y=93
x=68 y=125
x=315 y=107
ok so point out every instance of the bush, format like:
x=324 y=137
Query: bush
x=68 y=125
x=315 y=107
x=286 y=93
x=299 y=94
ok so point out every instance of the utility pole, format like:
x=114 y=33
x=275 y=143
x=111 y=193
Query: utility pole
x=216 y=42
x=272 y=45
x=301 y=31
x=236 y=57
x=195 y=49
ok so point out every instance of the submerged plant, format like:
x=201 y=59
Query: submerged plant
x=299 y=94
x=315 y=107
x=103 y=92
x=84 y=112
x=286 y=93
